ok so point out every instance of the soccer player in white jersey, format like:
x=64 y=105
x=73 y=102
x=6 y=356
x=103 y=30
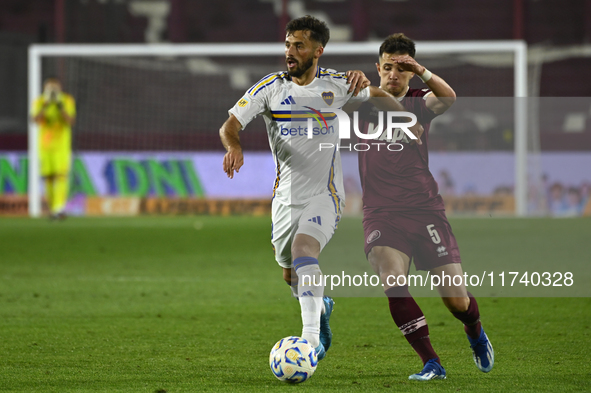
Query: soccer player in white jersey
x=308 y=193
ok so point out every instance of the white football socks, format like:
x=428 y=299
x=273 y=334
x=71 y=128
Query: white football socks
x=310 y=293
x=294 y=294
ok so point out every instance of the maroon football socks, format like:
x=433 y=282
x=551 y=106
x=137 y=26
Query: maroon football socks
x=410 y=320
x=470 y=318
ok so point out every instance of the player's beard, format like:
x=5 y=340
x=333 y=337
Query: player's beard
x=300 y=70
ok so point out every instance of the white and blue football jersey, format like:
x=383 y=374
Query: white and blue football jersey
x=304 y=170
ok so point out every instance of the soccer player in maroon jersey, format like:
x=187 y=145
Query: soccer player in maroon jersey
x=403 y=213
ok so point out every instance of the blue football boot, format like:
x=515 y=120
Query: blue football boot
x=320 y=352
x=432 y=370
x=484 y=355
x=325 y=332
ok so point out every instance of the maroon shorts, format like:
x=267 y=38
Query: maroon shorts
x=425 y=236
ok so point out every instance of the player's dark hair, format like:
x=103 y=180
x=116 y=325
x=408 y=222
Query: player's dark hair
x=398 y=43
x=318 y=29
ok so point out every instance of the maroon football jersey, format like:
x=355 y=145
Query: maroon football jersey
x=398 y=180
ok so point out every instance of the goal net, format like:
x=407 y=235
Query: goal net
x=148 y=118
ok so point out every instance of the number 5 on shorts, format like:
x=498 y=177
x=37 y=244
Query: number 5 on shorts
x=433 y=233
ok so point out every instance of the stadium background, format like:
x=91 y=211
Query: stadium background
x=132 y=105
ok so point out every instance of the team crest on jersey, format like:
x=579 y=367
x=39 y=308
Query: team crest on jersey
x=375 y=235
x=328 y=97
x=242 y=103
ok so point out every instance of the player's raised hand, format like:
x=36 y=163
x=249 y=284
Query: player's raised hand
x=407 y=63
x=233 y=161
x=357 y=81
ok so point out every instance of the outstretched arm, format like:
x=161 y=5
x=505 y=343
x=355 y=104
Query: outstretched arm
x=233 y=160
x=443 y=95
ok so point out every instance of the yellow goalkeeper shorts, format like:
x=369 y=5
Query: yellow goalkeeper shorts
x=55 y=161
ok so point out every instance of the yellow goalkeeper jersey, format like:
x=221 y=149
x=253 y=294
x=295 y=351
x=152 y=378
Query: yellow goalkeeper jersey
x=54 y=132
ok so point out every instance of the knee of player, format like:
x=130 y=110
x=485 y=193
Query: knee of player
x=305 y=246
x=457 y=304
x=304 y=250
x=386 y=255
x=386 y=263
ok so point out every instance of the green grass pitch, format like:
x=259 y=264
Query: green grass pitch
x=187 y=304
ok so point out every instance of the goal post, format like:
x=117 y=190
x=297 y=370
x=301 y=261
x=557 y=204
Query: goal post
x=369 y=50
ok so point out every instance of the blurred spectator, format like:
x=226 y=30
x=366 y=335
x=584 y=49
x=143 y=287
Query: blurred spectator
x=573 y=203
x=556 y=199
x=446 y=184
x=503 y=191
x=585 y=191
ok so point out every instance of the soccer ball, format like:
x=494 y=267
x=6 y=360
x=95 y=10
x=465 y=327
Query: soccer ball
x=293 y=360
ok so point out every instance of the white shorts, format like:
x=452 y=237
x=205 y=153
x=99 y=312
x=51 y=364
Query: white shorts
x=317 y=218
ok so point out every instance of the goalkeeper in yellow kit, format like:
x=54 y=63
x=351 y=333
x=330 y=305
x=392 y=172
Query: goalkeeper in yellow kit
x=55 y=111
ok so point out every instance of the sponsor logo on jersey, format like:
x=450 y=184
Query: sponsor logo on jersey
x=304 y=131
x=310 y=115
x=328 y=97
x=375 y=235
x=242 y=103
x=441 y=251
